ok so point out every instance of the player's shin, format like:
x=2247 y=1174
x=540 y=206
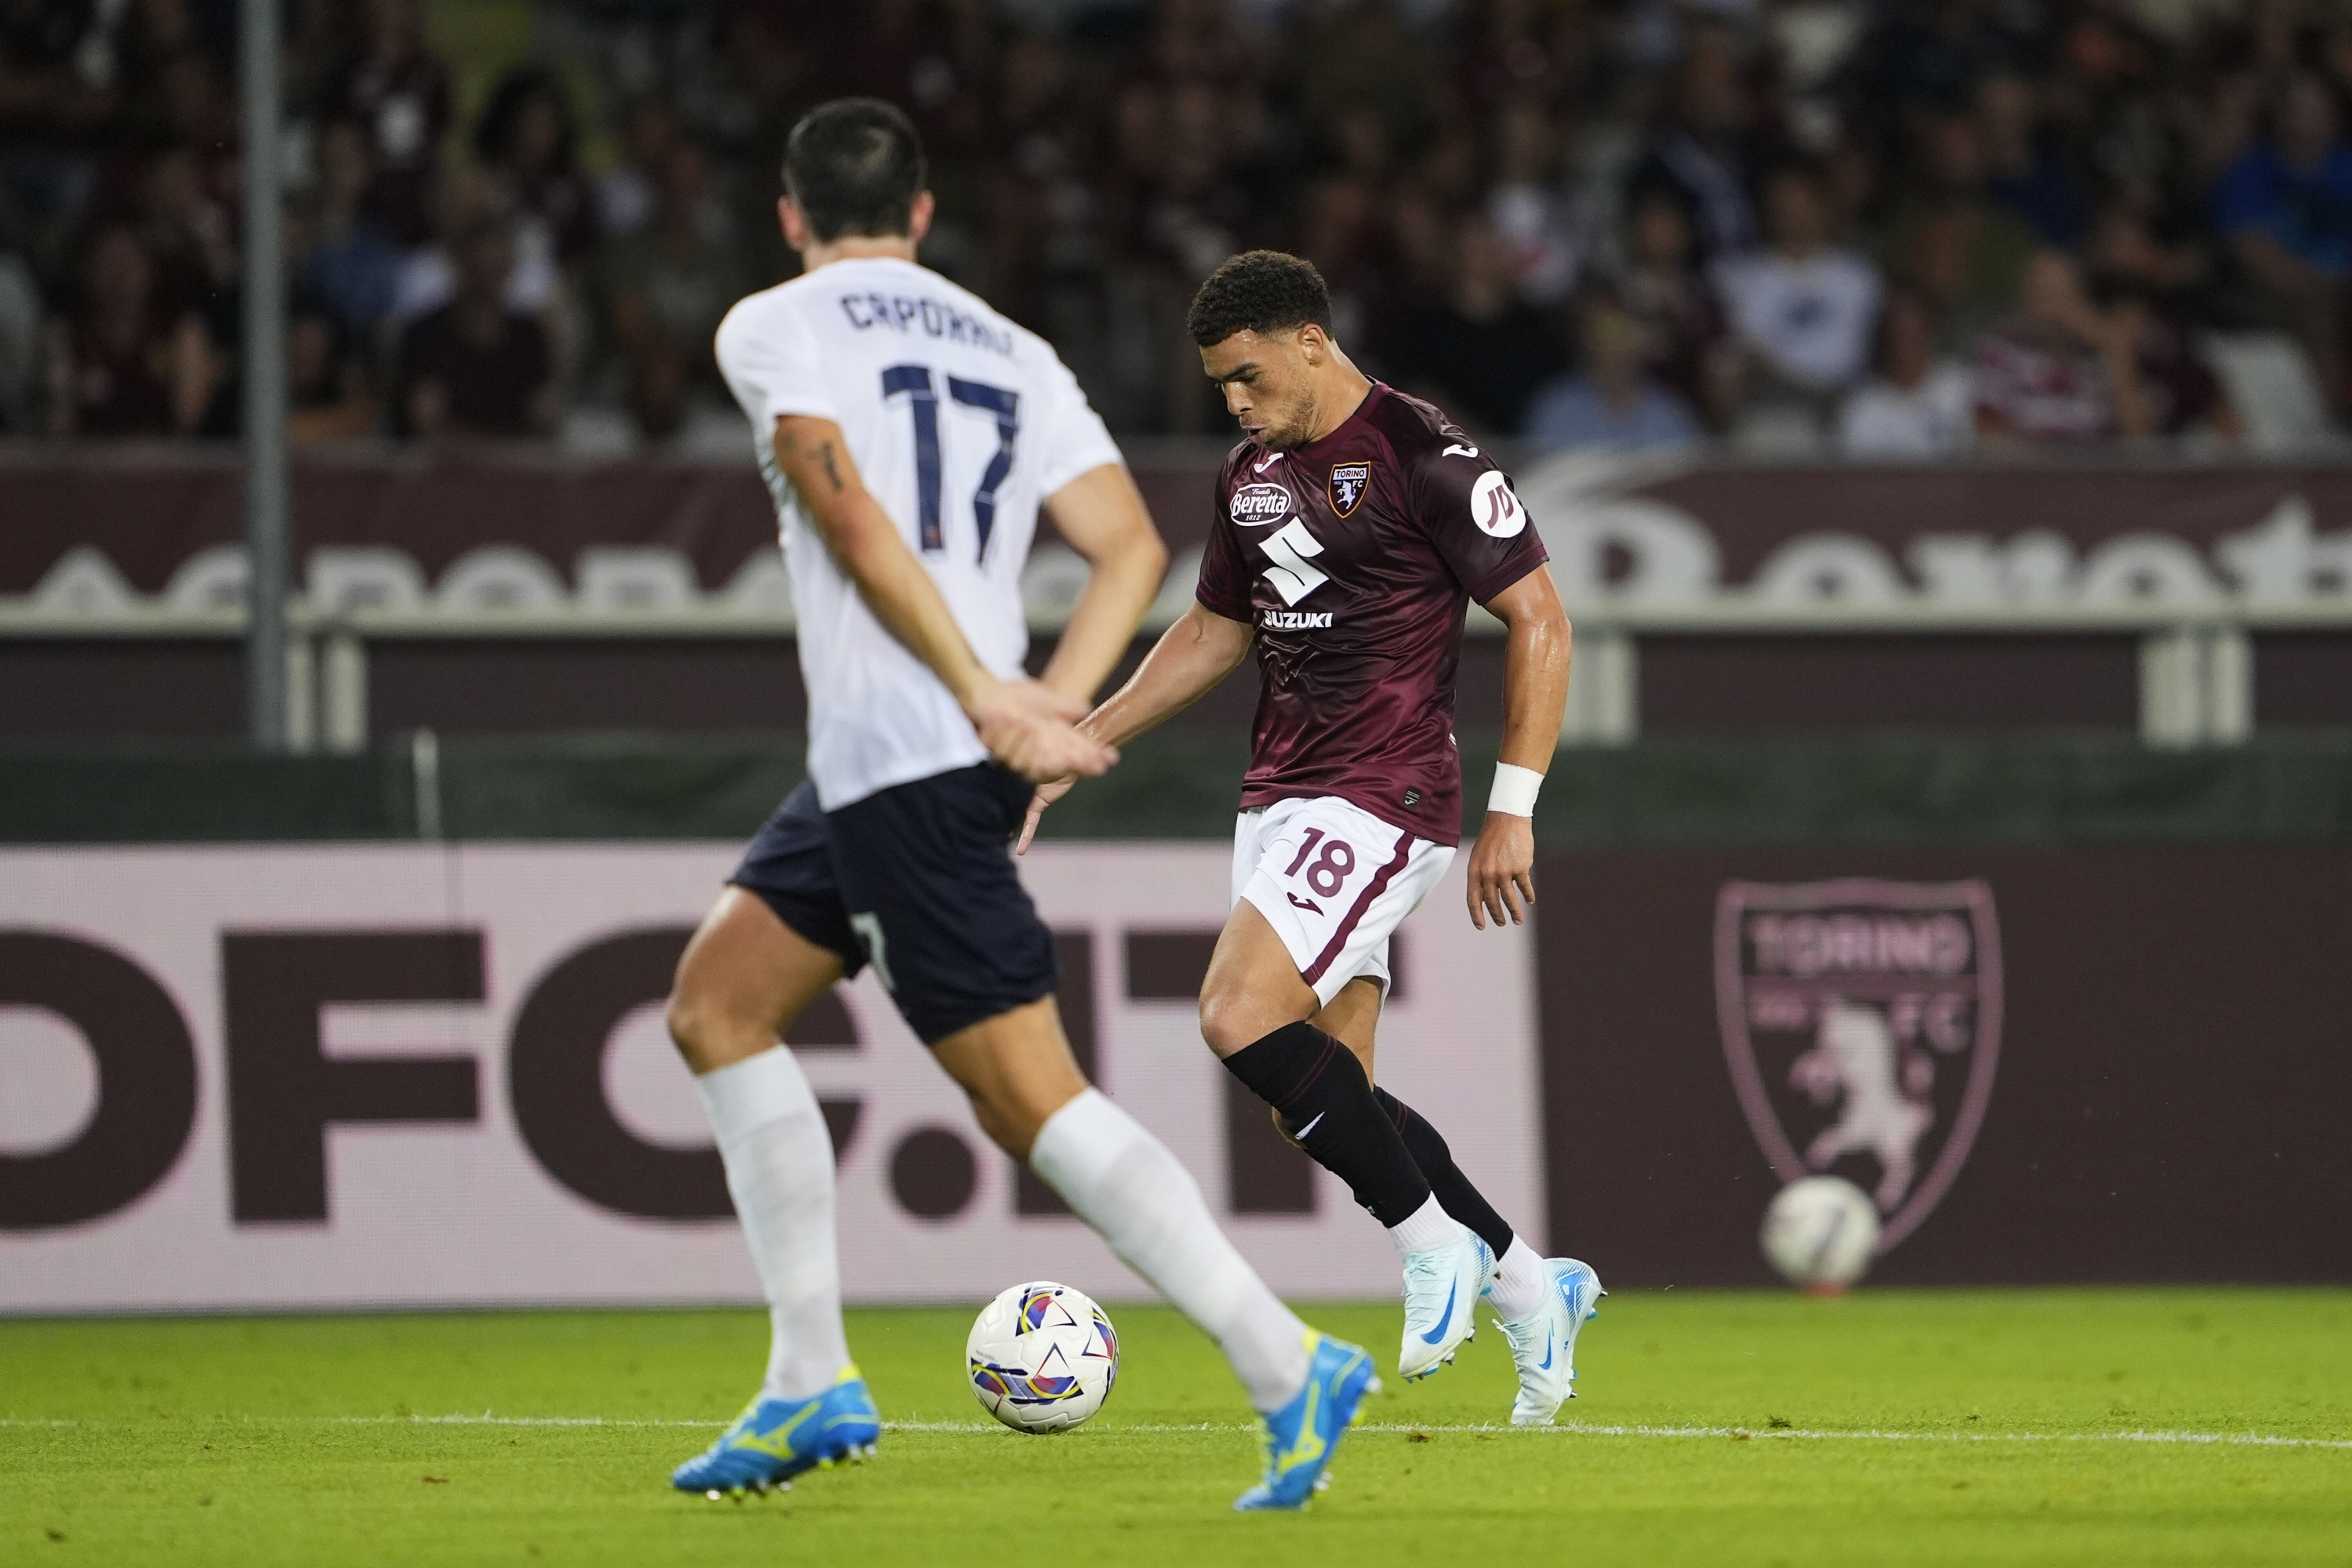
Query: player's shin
x=1519 y=1279
x=1123 y=1181
x=1319 y=1089
x=779 y=1159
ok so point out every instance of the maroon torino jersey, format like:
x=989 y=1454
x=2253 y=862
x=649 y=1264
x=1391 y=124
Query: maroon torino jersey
x=1355 y=558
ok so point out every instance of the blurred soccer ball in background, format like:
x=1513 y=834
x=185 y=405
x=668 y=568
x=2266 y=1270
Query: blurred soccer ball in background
x=1042 y=1357
x=1819 y=1233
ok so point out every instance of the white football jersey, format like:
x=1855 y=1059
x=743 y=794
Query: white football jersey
x=961 y=423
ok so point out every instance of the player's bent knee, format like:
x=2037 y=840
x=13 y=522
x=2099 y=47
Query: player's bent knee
x=707 y=1035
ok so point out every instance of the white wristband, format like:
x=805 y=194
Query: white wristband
x=1515 y=790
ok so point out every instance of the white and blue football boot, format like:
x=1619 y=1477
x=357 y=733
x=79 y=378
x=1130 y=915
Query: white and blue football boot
x=1442 y=1288
x=1300 y=1437
x=775 y=1439
x=1543 y=1343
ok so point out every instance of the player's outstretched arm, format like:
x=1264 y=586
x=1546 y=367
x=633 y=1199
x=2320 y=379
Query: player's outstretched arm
x=1101 y=515
x=1025 y=725
x=1535 y=694
x=1200 y=649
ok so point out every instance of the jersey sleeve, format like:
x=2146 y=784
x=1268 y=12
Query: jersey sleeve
x=1074 y=441
x=769 y=356
x=1224 y=586
x=1476 y=522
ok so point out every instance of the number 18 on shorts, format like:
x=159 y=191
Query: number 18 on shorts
x=1334 y=881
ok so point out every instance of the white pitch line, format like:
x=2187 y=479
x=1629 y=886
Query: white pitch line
x=1574 y=1429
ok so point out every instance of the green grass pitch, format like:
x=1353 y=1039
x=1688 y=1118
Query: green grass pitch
x=1981 y=1426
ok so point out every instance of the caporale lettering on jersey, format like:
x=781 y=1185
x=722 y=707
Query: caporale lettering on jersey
x=904 y=313
x=1295 y=620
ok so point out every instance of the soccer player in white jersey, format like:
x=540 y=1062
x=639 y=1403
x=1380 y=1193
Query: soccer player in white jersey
x=910 y=434
x=1354 y=526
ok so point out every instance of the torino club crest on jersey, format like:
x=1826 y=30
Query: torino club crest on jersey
x=1862 y=1022
x=1349 y=483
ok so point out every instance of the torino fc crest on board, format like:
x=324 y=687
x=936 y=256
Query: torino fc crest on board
x=1349 y=483
x=1862 y=1021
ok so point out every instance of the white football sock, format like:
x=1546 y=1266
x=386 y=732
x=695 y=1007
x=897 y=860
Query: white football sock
x=779 y=1162
x=1123 y=1181
x=1519 y=1281
x=1427 y=1227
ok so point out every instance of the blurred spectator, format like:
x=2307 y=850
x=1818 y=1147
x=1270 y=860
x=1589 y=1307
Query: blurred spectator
x=667 y=290
x=327 y=391
x=1705 y=151
x=20 y=343
x=527 y=140
x=349 y=265
x=2066 y=371
x=127 y=363
x=2122 y=254
x=2286 y=210
x=627 y=192
x=57 y=81
x=2025 y=177
x=1802 y=309
x=1686 y=346
x=399 y=90
x=1476 y=350
x=1964 y=252
x=1528 y=208
x=477 y=367
x=1614 y=403
x=1919 y=405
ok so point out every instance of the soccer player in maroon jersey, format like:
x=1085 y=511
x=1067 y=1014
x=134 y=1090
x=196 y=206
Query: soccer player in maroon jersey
x=1354 y=526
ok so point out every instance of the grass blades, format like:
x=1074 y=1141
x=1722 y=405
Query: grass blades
x=1984 y=1426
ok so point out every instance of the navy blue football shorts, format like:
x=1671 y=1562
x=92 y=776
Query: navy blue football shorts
x=917 y=880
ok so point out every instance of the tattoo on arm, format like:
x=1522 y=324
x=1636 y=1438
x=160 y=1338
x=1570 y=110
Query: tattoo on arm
x=831 y=472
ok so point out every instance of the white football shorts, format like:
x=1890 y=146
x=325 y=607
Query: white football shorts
x=1334 y=881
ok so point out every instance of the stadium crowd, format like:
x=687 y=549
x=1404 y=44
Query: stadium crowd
x=1892 y=227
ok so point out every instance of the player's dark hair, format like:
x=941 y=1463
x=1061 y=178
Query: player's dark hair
x=854 y=165
x=1260 y=292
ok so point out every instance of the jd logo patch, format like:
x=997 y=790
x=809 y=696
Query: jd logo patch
x=1862 y=1023
x=1349 y=483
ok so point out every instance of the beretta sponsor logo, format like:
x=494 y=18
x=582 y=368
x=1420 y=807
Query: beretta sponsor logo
x=1256 y=505
x=1295 y=620
x=1862 y=1023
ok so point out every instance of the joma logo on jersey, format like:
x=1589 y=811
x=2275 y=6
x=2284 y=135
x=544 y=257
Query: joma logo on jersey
x=1253 y=506
x=1349 y=483
x=1295 y=620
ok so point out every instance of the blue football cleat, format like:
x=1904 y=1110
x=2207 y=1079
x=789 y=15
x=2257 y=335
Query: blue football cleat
x=1301 y=1436
x=1543 y=1343
x=1442 y=1288
x=775 y=1439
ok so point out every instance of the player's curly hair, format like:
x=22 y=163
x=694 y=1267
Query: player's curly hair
x=1259 y=291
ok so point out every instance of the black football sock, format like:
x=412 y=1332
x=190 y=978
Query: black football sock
x=1319 y=1088
x=1454 y=1191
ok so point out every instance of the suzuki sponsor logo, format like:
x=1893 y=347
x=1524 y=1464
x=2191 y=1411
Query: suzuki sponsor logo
x=1295 y=620
x=1861 y=1024
x=1253 y=506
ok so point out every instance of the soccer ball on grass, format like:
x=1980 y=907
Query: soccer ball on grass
x=1818 y=1232
x=1042 y=1357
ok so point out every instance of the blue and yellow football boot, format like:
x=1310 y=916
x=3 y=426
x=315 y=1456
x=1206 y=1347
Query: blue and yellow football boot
x=775 y=1439
x=1301 y=1436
